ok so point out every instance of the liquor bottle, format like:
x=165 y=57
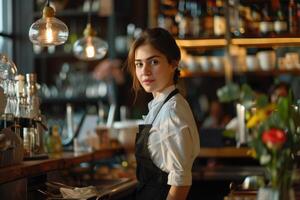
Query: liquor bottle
x=22 y=106
x=236 y=20
x=32 y=96
x=167 y=11
x=280 y=24
x=196 y=12
x=292 y=20
x=298 y=14
x=180 y=10
x=54 y=143
x=255 y=19
x=184 y=19
x=266 y=25
x=208 y=22
x=166 y=22
x=219 y=19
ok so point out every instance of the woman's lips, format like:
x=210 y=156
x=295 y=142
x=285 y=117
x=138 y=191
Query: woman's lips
x=147 y=82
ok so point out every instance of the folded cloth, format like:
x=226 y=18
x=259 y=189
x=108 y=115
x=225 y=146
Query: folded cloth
x=79 y=193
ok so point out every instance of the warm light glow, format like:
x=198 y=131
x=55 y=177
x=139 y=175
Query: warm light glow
x=49 y=33
x=90 y=49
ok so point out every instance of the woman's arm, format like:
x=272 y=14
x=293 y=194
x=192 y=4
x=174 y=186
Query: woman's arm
x=178 y=192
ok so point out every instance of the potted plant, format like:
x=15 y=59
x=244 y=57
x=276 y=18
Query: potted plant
x=274 y=128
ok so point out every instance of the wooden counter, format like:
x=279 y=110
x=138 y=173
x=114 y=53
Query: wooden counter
x=229 y=163
x=224 y=152
x=64 y=161
x=68 y=159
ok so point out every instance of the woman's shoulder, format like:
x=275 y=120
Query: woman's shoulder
x=178 y=115
x=178 y=102
x=177 y=106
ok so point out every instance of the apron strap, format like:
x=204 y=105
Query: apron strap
x=173 y=93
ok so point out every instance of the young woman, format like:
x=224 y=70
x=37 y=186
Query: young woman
x=168 y=141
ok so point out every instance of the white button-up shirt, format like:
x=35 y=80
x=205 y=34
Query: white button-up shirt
x=174 y=139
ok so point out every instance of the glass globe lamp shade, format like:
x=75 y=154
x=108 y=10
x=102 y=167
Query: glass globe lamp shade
x=90 y=48
x=8 y=72
x=48 y=30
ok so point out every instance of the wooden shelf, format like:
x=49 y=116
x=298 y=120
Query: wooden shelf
x=201 y=43
x=245 y=42
x=267 y=42
x=70 y=13
x=187 y=74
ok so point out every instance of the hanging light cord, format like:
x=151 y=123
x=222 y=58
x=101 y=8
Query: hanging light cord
x=90 y=12
x=48 y=3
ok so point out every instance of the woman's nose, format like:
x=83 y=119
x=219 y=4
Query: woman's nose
x=146 y=69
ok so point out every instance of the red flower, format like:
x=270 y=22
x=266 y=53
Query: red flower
x=274 y=138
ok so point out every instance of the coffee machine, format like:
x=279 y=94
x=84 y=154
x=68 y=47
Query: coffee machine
x=21 y=123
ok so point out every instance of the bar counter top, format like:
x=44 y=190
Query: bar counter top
x=68 y=159
x=58 y=162
x=225 y=152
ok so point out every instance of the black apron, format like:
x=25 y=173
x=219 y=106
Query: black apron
x=152 y=181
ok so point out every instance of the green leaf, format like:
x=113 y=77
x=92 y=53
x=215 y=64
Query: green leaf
x=283 y=109
x=295 y=114
x=262 y=101
x=229 y=92
x=229 y=133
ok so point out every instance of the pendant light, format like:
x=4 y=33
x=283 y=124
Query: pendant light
x=48 y=30
x=90 y=47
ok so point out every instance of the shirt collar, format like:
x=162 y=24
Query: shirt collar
x=161 y=97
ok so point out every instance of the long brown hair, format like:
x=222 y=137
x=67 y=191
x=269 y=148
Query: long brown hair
x=162 y=41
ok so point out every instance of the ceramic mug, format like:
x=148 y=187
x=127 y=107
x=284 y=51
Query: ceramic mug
x=217 y=63
x=267 y=59
x=204 y=62
x=292 y=60
x=252 y=62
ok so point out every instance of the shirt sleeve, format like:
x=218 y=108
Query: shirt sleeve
x=178 y=155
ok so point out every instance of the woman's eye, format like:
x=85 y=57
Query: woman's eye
x=139 y=65
x=154 y=62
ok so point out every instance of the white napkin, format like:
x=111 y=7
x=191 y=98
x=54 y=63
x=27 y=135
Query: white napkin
x=79 y=193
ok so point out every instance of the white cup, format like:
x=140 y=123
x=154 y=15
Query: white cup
x=292 y=60
x=204 y=62
x=217 y=63
x=266 y=59
x=282 y=63
x=192 y=64
x=252 y=62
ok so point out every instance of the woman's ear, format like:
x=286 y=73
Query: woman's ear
x=175 y=63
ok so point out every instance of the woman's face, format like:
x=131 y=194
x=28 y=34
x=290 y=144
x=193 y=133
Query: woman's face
x=152 y=69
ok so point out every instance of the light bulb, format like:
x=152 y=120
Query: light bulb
x=48 y=30
x=90 y=47
x=49 y=33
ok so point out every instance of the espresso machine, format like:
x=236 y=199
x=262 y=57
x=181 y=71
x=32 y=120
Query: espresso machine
x=30 y=122
x=11 y=144
x=21 y=123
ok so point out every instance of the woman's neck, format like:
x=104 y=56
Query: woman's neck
x=162 y=91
